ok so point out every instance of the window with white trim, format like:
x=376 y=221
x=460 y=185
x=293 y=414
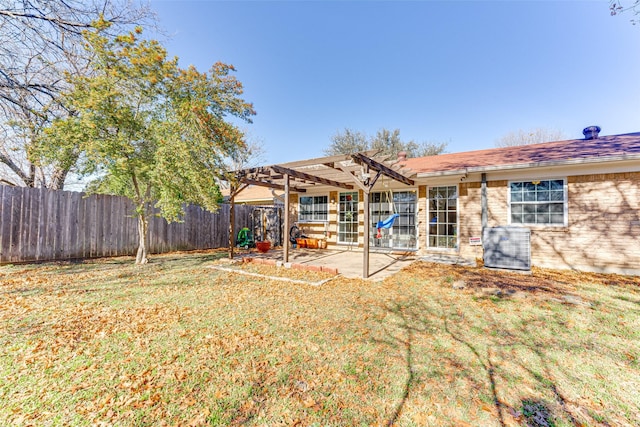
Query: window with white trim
x=538 y=202
x=313 y=208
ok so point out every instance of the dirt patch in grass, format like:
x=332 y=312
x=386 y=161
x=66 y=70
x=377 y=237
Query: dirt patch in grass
x=177 y=343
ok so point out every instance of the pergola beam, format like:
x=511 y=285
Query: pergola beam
x=351 y=176
x=387 y=171
x=263 y=170
x=312 y=178
x=265 y=174
x=329 y=159
x=272 y=185
x=345 y=169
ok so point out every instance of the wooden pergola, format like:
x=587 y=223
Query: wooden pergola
x=354 y=171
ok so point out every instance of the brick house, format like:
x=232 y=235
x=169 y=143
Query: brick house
x=579 y=199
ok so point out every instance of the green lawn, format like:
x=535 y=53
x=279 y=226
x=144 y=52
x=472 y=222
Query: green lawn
x=177 y=343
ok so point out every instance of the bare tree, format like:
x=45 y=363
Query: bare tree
x=389 y=142
x=347 y=142
x=385 y=141
x=429 y=148
x=252 y=154
x=533 y=136
x=622 y=6
x=41 y=41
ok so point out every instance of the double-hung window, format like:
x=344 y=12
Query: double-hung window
x=538 y=202
x=313 y=208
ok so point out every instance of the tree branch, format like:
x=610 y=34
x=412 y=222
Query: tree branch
x=28 y=180
x=67 y=25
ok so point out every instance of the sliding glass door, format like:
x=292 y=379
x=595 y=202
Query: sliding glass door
x=402 y=232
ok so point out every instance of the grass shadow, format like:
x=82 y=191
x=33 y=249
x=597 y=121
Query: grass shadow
x=486 y=364
x=536 y=413
x=406 y=343
x=415 y=318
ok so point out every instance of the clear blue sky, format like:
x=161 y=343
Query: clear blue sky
x=462 y=72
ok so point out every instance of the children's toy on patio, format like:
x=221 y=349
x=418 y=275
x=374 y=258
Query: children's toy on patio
x=245 y=239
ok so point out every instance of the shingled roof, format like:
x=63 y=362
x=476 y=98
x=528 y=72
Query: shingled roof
x=575 y=151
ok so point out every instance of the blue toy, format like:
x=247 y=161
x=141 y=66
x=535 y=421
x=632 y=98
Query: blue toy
x=387 y=223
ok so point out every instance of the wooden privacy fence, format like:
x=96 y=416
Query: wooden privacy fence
x=41 y=225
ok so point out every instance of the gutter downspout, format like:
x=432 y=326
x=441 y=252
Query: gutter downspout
x=483 y=204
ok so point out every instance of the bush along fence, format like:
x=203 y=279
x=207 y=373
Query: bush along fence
x=44 y=225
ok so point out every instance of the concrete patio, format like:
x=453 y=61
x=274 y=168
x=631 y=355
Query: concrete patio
x=349 y=262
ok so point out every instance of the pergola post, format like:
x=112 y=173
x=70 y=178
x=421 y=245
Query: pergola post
x=286 y=218
x=367 y=231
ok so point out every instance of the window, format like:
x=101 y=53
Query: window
x=348 y=218
x=538 y=202
x=443 y=217
x=313 y=208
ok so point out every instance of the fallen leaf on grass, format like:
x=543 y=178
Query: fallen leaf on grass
x=187 y=402
x=311 y=403
x=515 y=414
x=180 y=375
x=487 y=408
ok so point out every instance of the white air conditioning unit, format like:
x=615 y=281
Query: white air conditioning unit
x=507 y=247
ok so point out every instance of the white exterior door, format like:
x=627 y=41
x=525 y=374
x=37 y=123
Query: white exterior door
x=442 y=228
x=348 y=218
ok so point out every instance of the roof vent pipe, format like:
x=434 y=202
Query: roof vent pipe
x=591 y=132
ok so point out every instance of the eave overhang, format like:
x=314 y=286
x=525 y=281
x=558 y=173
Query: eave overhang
x=531 y=165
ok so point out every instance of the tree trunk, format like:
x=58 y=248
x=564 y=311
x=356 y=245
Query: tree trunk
x=58 y=177
x=143 y=228
x=232 y=221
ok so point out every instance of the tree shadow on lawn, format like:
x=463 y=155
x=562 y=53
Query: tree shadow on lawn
x=536 y=282
x=536 y=413
x=405 y=344
x=82 y=275
x=413 y=323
